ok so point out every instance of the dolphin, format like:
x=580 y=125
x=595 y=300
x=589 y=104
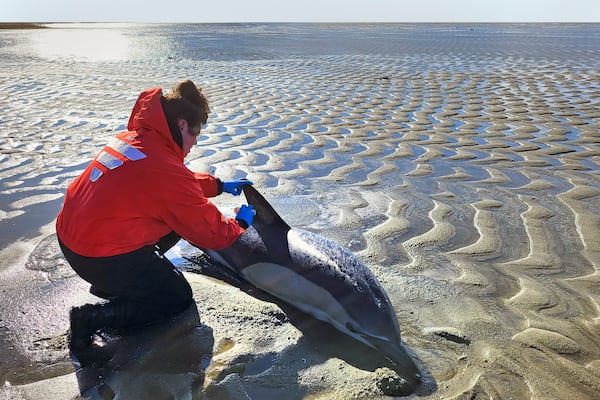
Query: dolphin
x=318 y=277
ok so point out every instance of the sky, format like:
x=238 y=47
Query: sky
x=300 y=11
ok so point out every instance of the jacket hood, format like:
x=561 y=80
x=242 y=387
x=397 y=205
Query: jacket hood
x=148 y=114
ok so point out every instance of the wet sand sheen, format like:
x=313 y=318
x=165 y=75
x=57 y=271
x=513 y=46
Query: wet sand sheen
x=472 y=190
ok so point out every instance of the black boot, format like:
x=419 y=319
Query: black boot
x=90 y=318
x=114 y=314
x=85 y=321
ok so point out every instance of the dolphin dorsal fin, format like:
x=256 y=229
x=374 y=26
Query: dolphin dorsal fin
x=270 y=226
x=265 y=214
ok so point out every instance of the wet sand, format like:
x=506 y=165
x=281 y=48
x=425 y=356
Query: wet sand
x=470 y=187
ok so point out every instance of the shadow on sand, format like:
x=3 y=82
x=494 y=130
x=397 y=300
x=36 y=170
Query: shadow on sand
x=314 y=331
x=163 y=361
x=169 y=360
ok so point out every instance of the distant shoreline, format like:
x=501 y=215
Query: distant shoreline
x=21 y=25
x=46 y=25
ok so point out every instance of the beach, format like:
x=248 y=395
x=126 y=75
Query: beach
x=460 y=163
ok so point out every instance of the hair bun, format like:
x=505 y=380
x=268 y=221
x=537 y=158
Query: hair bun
x=189 y=91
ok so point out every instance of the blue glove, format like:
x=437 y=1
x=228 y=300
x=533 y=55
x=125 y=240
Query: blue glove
x=235 y=187
x=245 y=216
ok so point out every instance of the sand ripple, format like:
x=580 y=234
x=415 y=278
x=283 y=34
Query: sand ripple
x=469 y=183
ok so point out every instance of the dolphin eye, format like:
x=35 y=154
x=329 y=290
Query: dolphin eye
x=352 y=328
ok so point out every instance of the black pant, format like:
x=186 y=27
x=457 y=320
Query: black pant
x=146 y=281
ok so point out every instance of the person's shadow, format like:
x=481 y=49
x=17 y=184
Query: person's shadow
x=169 y=360
x=163 y=361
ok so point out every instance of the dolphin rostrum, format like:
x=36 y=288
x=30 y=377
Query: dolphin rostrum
x=318 y=277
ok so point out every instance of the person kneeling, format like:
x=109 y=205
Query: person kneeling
x=132 y=203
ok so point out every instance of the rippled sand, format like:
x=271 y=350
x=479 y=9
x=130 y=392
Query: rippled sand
x=471 y=187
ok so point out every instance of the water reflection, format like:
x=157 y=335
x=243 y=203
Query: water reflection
x=94 y=42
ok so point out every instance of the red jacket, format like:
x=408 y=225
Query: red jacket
x=137 y=190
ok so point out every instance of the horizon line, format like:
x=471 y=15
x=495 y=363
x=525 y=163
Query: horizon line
x=291 y=22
